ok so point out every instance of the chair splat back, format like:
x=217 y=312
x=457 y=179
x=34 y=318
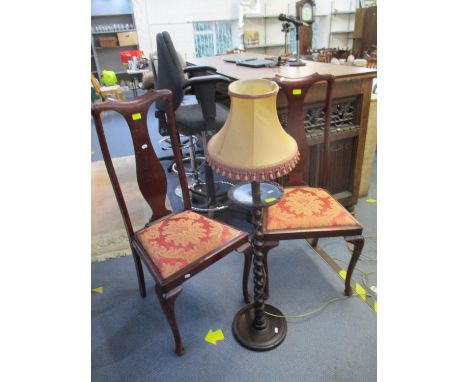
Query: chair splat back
x=150 y=174
x=295 y=91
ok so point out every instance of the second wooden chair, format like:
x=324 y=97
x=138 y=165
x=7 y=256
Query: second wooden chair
x=309 y=212
x=174 y=246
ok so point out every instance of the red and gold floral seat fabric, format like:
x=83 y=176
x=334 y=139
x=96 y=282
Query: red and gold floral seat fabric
x=307 y=207
x=179 y=240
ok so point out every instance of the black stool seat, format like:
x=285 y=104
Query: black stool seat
x=190 y=121
x=193 y=119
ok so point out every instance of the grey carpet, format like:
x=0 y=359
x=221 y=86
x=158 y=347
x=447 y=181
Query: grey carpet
x=132 y=341
x=366 y=214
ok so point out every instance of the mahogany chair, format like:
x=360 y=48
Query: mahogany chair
x=309 y=212
x=174 y=246
x=106 y=91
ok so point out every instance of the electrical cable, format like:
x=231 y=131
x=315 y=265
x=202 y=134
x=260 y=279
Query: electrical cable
x=317 y=310
x=364 y=279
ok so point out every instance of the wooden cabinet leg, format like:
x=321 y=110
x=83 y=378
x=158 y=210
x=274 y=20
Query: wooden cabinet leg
x=267 y=246
x=167 y=301
x=358 y=242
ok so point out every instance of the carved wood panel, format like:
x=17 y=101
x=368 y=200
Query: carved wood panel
x=344 y=135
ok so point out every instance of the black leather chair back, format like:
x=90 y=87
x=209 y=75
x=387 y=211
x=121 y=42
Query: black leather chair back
x=170 y=72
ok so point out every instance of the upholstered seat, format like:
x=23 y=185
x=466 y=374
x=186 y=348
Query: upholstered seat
x=307 y=207
x=182 y=238
x=190 y=121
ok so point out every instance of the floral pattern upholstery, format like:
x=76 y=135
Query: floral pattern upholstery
x=179 y=240
x=307 y=207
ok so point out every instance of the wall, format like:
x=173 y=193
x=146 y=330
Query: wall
x=154 y=16
x=107 y=7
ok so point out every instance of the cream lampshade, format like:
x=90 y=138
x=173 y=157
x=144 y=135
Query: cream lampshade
x=252 y=145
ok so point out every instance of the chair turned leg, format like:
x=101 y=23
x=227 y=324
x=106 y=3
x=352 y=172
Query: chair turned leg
x=358 y=242
x=140 y=274
x=167 y=301
x=246 y=249
x=267 y=246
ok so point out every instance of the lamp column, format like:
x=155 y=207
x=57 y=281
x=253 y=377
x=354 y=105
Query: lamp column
x=298 y=61
x=257 y=246
x=252 y=326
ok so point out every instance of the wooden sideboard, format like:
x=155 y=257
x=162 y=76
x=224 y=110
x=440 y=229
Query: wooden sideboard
x=351 y=100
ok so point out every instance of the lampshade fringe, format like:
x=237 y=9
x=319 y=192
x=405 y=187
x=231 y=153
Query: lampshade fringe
x=262 y=174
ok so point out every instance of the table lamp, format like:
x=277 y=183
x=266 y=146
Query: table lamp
x=253 y=147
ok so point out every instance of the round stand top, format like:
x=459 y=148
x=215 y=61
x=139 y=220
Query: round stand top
x=270 y=193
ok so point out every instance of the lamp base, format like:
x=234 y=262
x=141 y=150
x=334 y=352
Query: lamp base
x=259 y=339
x=298 y=62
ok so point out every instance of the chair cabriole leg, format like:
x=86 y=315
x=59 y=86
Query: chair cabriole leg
x=245 y=277
x=167 y=301
x=314 y=242
x=358 y=242
x=267 y=246
x=140 y=274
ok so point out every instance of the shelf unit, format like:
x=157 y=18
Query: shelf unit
x=269 y=28
x=263 y=46
x=110 y=12
x=342 y=24
x=342 y=32
x=125 y=30
x=94 y=64
x=261 y=17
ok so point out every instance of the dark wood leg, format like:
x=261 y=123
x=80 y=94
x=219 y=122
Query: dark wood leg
x=314 y=242
x=358 y=242
x=246 y=249
x=245 y=276
x=167 y=301
x=140 y=274
x=267 y=246
x=351 y=209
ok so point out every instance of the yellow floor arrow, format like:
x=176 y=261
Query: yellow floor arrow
x=361 y=291
x=212 y=337
x=98 y=290
x=342 y=274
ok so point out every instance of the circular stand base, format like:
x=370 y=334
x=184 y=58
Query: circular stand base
x=255 y=339
x=200 y=200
